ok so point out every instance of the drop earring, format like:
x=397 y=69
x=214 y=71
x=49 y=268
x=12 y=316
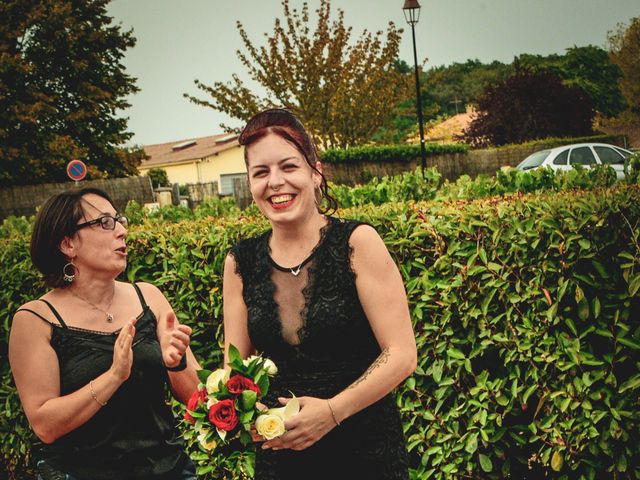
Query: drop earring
x=66 y=275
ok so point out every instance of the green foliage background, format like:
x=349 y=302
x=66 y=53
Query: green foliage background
x=525 y=308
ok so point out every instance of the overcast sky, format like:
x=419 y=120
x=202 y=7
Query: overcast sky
x=181 y=40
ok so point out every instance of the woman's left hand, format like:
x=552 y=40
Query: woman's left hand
x=307 y=427
x=174 y=338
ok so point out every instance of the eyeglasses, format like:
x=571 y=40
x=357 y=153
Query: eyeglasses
x=107 y=222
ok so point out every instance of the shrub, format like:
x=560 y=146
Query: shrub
x=525 y=310
x=159 y=177
x=387 y=153
x=529 y=105
x=632 y=168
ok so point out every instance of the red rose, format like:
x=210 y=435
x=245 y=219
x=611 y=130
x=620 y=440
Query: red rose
x=238 y=384
x=197 y=398
x=223 y=415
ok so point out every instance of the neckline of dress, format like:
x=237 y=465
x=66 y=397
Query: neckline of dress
x=101 y=333
x=296 y=268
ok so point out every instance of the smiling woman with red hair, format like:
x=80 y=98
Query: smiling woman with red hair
x=323 y=299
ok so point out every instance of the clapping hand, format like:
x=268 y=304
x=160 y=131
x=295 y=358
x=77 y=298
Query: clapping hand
x=122 y=351
x=174 y=338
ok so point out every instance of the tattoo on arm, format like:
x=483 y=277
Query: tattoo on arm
x=382 y=359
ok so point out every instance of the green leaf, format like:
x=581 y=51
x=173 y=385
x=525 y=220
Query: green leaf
x=557 y=461
x=631 y=384
x=249 y=398
x=485 y=463
x=235 y=360
x=455 y=353
x=583 y=309
x=634 y=284
x=203 y=375
x=595 y=306
x=436 y=371
x=472 y=443
x=514 y=388
x=528 y=392
x=628 y=343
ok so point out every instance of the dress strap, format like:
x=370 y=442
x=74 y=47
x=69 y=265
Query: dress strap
x=142 y=301
x=37 y=315
x=55 y=312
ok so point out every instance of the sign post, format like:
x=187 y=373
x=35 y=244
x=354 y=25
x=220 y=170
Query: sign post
x=76 y=170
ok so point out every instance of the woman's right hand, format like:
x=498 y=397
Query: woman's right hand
x=123 y=352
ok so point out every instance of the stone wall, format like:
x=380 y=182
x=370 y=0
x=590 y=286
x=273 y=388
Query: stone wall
x=24 y=200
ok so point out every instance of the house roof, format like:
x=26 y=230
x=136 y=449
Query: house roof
x=448 y=129
x=182 y=151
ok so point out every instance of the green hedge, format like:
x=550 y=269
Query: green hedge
x=388 y=153
x=414 y=186
x=526 y=314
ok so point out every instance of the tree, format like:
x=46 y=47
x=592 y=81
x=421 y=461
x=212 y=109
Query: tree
x=530 y=105
x=159 y=177
x=624 y=49
x=61 y=84
x=342 y=92
x=588 y=68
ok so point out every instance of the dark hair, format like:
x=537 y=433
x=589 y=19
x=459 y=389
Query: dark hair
x=282 y=122
x=57 y=219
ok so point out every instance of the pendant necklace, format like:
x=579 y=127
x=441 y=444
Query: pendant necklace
x=296 y=271
x=109 y=316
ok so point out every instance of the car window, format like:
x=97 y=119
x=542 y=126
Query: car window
x=582 y=156
x=624 y=153
x=533 y=160
x=609 y=155
x=562 y=158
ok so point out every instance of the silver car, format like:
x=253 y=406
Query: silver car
x=585 y=154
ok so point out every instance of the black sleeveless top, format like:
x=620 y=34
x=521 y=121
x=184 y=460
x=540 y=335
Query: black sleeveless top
x=308 y=319
x=134 y=435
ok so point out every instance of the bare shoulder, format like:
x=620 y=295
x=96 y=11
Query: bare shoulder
x=363 y=236
x=33 y=319
x=153 y=296
x=230 y=262
x=148 y=289
x=366 y=243
x=36 y=310
x=231 y=269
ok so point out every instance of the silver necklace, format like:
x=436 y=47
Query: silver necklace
x=109 y=316
x=296 y=271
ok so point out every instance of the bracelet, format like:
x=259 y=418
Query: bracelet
x=93 y=394
x=333 y=414
x=180 y=366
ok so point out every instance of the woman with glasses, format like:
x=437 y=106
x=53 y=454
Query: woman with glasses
x=93 y=357
x=322 y=297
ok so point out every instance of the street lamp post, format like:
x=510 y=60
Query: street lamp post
x=411 y=11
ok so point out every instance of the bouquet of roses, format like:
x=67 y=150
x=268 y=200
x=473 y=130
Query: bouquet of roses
x=225 y=405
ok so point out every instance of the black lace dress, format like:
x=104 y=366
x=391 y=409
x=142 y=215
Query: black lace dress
x=313 y=327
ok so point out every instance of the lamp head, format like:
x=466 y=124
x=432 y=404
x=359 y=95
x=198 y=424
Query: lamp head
x=411 y=11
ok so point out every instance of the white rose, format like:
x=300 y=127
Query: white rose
x=217 y=376
x=207 y=445
x=211 y=402
x=270 y=367
x=289 y=410
x=250 y=359
x=270 y=426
